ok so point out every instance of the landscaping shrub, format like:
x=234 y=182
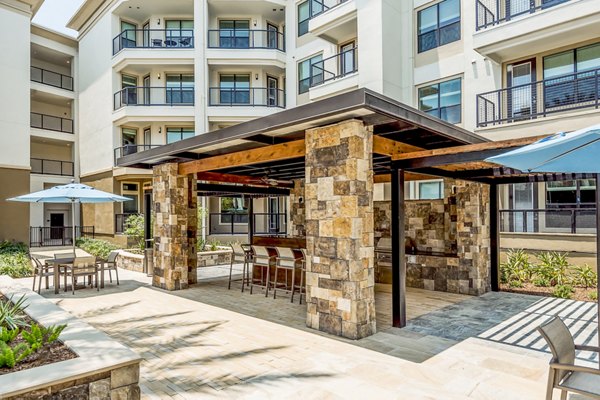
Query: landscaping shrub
x=134 y=228
x=593 y=296
x=517 y=267
x=97 y=247
x=515 y=284
x=11 y=313
x=541 y=281
x=563 y=291
x=14 y=260
x=554 y=267
x=584 y=275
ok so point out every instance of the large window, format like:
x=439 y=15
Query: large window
x=234 y=208
x=177 y=134
x=234 y=34
x=306 y=11
x=234 y=89
x=572 y=193
x=310 y=73
x=128 y=34
x=180 y=33
x=438 y=25
x=431 y=190
x=180 y=89
x=442 y=100
x=129 y=141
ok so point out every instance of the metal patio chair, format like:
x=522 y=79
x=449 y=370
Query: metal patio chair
x=41 y=270
x=111 y=265
x=564 y=374
x=82 y=266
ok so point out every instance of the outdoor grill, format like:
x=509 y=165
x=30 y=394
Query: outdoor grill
x=383 y=260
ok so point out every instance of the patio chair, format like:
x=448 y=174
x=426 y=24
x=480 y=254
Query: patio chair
x=286 y=260
x=110 y=264
x=82 y=266
x=240 y=255
x=564 y=374
x=261 y=260
x=302 y=286
x=41 y=270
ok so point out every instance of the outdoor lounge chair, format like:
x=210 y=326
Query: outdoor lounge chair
x=564 y=374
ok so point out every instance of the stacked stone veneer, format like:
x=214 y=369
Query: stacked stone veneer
x=175 y=228
x=339 y=230
x=457 y=227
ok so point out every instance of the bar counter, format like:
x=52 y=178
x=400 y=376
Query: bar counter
x=294 y=242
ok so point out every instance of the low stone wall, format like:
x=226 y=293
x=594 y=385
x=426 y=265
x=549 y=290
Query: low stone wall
x=135 y=262
x=104 y=368
x=130 y=261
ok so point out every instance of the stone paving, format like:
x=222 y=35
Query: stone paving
x=210 y=342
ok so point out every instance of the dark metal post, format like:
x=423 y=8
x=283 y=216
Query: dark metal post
x=494 y=238
x=398 y=250
x=250 y=220
x=598 y=247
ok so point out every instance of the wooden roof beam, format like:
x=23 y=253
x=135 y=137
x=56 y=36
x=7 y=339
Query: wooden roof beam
x=391 y=148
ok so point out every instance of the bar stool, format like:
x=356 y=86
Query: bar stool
x=286 y=261
x=262 y=260
x=302 y=286
x=240 y=254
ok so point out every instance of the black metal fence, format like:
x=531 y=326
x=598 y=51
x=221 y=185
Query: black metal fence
x=318 y=7
x=50 y=122
x=330 y=68
x=121 y=221
x=237 y=223
x=549 y=220
x=250 y=97
x=154 y=39
x=51 y=78
x=246 y=39
x=153 y=96
x=494 y=12
x=539 y=99
x=52 y=167
x=44 y=236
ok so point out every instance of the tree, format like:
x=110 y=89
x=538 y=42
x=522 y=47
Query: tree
x=134 y=228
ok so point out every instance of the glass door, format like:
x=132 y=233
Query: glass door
x=129 y=141
x=180 y=89
x=147 y=138
x=147 y=90
x=274 y=215
x=523 y=198
x=129 y=92
x=146 y=34
x=521 y=94
x=234 y=89
x=128 y=36
x=272 y=37
x=272 y=92
x=347 y=59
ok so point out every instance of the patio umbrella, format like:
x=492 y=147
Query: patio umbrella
x=71 y=193
x=572 y=152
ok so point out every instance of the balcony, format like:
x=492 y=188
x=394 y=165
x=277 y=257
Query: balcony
x=246 y=39
x=51 y=78
x=51 y=123
x=334 y=74
x=153 y=96
x=511 y=29
x=539 y=99
x=571 y=220
x=234 y=104
x=333 y=20
x=52 y=167
x=153 y=39
x=131 y=149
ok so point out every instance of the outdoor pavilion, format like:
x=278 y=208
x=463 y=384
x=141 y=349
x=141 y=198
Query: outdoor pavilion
x=333 y=151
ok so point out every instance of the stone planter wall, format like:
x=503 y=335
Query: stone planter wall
x=104 y=368
x=212 y=258
x=130 y=261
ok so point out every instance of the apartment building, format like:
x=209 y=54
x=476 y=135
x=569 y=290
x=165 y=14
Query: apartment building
x=37 y=124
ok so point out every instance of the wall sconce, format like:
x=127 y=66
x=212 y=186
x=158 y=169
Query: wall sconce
x=158 y=75
x=160 y=129
x=158 y=22
x=254 y=22
x=256 y=76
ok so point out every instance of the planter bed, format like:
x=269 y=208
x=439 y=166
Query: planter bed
x=135 y=262
x=580 y=293
x=102 y=368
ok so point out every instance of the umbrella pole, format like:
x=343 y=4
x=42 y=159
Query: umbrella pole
x=73 y=223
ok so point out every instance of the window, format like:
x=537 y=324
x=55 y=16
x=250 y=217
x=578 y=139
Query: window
x=234 y=34
x=129 y=94
x=177 y=134
x=128 y=34
x=128 y=141
x=234 y=209
x=310 y=73
x=431 y=190
x=306 y=11
x=234 y=89
x=179 y=33
x=571 y=193
x=180 y=89
x=442 y=100
x=438 y=25
x=130 y=190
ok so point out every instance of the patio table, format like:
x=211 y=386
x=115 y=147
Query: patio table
x=67 y=261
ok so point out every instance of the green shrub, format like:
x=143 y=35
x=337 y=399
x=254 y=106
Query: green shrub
x=593 y=295
x=14 y=260
x=8 y=335
x=541 y=282
x=515 y=284
x=554 y=267
x=584 y=275
x=11 y=313
x=516 y=268
x=38 y=336
x=563 y=291
x=97 y=247
x=134 y=228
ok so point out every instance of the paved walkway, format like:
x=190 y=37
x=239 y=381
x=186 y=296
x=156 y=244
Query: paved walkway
x=208 y=342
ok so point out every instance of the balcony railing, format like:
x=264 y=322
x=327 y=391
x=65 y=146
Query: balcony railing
x=237 y=223
x=251 y=97
x=318 y=7
x=52 y=167
x=121 y=222
x=132 y=149
x=153 y=96
x=51 y=78
x=246 y=39
x=539 y=99
x=51 y=123
x=334 y=67
x=41 y=236
x=154 y=39
x=493 y=12
x=549 y=220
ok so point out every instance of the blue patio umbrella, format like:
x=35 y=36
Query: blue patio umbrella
x=71 y=193
x=572 y=152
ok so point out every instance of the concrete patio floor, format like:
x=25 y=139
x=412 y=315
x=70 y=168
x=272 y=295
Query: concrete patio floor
x=210 y=342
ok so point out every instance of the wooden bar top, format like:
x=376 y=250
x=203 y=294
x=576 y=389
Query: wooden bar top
x=293 y=242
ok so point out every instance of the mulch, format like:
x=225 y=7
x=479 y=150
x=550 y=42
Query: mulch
x=581 y=294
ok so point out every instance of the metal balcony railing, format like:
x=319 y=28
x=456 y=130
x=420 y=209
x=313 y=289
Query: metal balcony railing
x=539 y=99
x=154 y=39
x=153 y=96
x=131 y=149
x=51 y=123
x=52 y=167
x=40 y=236
x=318 y=7
x=330 y=68
x=246 y=39
x=251 y=97
x=493 y=12
x=549 y=220
x=51 y=78
x=237 y=223
x=121 y=221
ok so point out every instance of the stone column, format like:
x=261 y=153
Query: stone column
x=297 y=209
x=339 y=230
x=175 y=228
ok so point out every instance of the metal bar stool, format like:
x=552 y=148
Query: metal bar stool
x=286 y=261
x=240 y=254
x=261 y=260
x=302 y=286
